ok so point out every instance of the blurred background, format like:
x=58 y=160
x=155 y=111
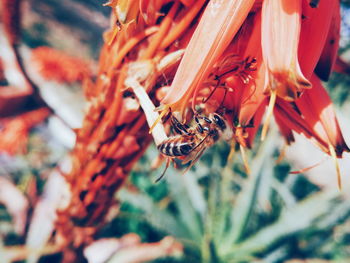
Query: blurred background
x=278 y=216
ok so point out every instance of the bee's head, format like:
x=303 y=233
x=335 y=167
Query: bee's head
x=221 y=123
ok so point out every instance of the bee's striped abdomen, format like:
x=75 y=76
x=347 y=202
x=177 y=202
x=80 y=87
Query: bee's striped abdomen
x=176 y=147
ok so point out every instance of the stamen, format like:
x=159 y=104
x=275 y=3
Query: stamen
x=232 y=151
x=245 y=159
x=269 y=114
x=164 y=111
x=303 y=170
x=282 y=154
x=336 y=163
x=113 y=36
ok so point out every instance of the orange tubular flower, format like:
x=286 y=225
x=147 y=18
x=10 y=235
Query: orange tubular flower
x=318 y=25
x=277 y=36
x=216 y=29
x=280 y=30
x=252 y=94
x=289 y=119
x=149 y=9
x=330 y=50
x=313 y=115
x=317 y=109
x=247 y=99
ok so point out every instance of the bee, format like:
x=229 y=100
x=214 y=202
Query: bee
x=190 y=142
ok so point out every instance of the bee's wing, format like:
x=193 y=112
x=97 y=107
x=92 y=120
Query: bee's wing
x=194 y=152
x=193 y=155
x=196 y=157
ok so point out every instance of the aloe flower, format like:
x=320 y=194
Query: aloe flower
x=281 y=22
x=319 y=33
x=216 y=29
x=235 y=57
x=289 y=41
x=313 y=115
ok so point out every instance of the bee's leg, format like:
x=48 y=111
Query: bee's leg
x=197 y=117
x=223 y=98
x=222 y=110
x=212 y=92
x=199 y=126
x=207 y=119
x=166 y=168
x=179 y=127
x=250 y=63
x=167 y=116
x=175 y=126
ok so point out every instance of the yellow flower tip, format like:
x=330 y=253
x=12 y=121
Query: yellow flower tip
x=336 y=163
x=280 y=34
x=112 y=36
x=269 y=114
x=125 y=10
x=288 y=86
x=164 y=109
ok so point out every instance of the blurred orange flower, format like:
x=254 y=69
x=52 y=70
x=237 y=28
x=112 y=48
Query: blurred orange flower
x=58 y=66
x=14 y=131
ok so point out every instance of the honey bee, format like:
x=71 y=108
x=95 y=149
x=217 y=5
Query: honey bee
x=190 y=142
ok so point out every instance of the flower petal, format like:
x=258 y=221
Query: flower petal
x=315 y=27
x=290 y=119
x=217 y=27
x=253 y=93
x=330 y=50
x=280 y=39
x=317 y=109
